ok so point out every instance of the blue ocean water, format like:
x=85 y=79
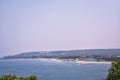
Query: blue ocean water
x=49 y=70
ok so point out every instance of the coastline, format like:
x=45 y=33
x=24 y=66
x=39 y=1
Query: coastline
x=65 y=60
x=80 y=61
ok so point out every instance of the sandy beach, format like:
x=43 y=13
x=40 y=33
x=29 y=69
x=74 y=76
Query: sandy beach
x=80 y=61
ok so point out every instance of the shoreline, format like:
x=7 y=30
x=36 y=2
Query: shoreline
x=81 y=61
x=65 y=60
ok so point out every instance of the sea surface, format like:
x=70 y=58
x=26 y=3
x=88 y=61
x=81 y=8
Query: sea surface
x=46 y=69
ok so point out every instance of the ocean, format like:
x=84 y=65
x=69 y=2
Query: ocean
x=46 y=69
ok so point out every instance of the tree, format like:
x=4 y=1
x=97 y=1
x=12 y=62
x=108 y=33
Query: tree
x=114 y=71
x=14 y=77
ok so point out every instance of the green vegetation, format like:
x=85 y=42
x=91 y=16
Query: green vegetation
x=114 y=71
x=87 y=55
x=14 y=77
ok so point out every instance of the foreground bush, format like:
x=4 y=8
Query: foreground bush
x=114 y=71
x=14 y=77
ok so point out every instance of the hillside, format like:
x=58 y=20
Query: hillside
x=96 y=54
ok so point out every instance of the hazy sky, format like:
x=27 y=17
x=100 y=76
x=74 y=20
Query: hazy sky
x=35 y=25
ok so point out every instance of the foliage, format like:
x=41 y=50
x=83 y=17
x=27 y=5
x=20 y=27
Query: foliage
x=14 y=77
x=95 y=54
x=114 y=71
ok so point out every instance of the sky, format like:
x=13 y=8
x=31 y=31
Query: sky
x=46 y=25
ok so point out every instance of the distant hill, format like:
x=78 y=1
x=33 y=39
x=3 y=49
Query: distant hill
x=97 y=54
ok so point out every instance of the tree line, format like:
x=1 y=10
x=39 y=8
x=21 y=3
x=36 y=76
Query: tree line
x=14 y=77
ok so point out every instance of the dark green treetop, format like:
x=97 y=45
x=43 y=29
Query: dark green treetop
x=114 y=71
x=14 y=77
